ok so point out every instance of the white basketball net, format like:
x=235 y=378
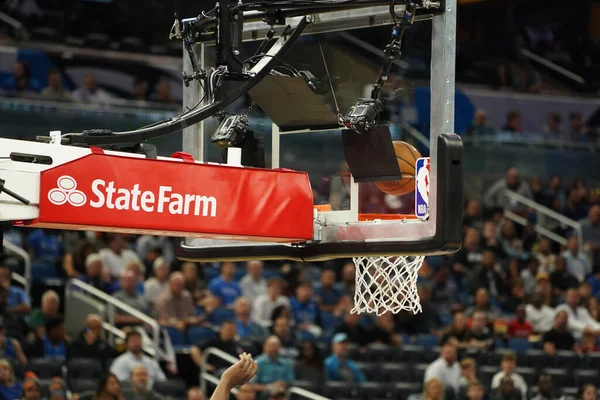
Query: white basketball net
x=387 y=284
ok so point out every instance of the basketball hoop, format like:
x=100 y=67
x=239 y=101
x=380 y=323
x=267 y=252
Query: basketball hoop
x=387 y=283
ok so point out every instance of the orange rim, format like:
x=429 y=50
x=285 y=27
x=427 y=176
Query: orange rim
x=385 y=217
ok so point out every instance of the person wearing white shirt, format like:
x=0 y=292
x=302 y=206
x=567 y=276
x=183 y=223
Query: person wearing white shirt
x=265 y=304
x=116 y=256
x=123 y=365
x=445 y=368
x=580 y=319
x=508 y=366
x=156 y=286
x=578 y=264
x=539 y=315
x=253 y=284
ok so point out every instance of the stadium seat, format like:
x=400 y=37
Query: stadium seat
x=372 y=390
x=177 y=338
x=377 y=352
x=529 y=374
x=46 y=368
x=571 y=392
x=427 y=341
x=412 y=353
x=534 y=358
x=83 y=385
x=395 y=372
x=18 y=369
x=239 y=274
x=430 y=354
x=560 y=376
x=404 y=389
x=199 y=333
x=221 y=315
x=569 y=359
x=335 y=390
x=369 y=369
x=418 y=372
x=585 y=376
x=307 y=385
x=83 y=369
x=592 y=360
x=485 y=372
x=171 y=388
x=519 y=345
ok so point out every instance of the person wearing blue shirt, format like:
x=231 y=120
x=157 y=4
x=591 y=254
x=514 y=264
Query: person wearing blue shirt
x=17 y=301
x=53 y=343
x=10 y=388
x=45 y=244
x=273 y=370
x=224 y=287
x=245 y=328
x=338 y=367
x=327 y=292
x=305 y=309
x=21 y=80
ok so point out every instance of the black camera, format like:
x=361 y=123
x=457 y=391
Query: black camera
x=232 y=132
x=363 y=115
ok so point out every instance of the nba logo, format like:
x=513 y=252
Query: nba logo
x=422 y=189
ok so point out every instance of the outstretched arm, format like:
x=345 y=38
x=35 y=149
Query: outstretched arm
x=238 y=374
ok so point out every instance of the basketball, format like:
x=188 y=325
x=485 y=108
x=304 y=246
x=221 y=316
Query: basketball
x=407 y=156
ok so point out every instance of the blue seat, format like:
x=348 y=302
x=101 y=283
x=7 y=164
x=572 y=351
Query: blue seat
x=519 y=345
x=306 y=336
x=239 y=274
x=177 y=338
x=198 y=333
x=427 y=341
x=221 y=315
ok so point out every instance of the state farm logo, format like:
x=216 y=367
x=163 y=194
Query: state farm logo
x=104 y=194
x=67 y=192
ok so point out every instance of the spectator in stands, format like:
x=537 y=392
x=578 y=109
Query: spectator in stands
x=140 y=385
x=10 y=387
x=224 y=287
x=140 y=91
x=90 y=93
x=46 y=244
x=195 y=393
x=588 y=343
x=95 y=274
x=480 y=126
x=553 y=128
x=578 y=264
x=246 y=328
x=469 y=256
x=503 y=78
x=274 y=371
x=58 y=389
x=89 y=343
x=55 y=89
x=554 y=191
x=590 y=231
x=327 y=293
x=9 y=347
x=433 y=390
x=116 y=256
x=129 y=295
x=529 y=275
x=21 y=81
x=544 y=386
x=479 y=334
x=32 y=389
x=155 y=287
x=579 y=319
x=577 y=130
x=50 y=307
x=253 y=284
x=245 y=392
x=109 y=388
x=559 y=338
x=133 y=356
x=545 y=255
x=138 y=271
x=457 y=334
x=475 y=391
x=506 y=390
x=74 y=262
x=482 y=304
x=352 y=328
x=589 y=392
x=226 y=342
x=513 y=122
x=283 y=330
x=585 y=293
x=544 y=287
x=520 y=327
x=305 y=310
x=496 y=196
x=561 y=279
x=162 y=246
x=427 y=321
x=575 y=206
x=444 y=292
x=338 y=366
x=309 y=365
x=486 y=276
x=348 y=282
x=510 y=243
x=384 y=331
x=193 y=283
x=54 y=342
x=529 y=81
x=445 y=368
x=468 y=374
x=163 y=93
x=176 y=306
x=265 y=304
x=472 y=217
x=508 y=366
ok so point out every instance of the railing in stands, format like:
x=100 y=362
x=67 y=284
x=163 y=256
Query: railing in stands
x=26 y=279
x=206 y=377
x=544 y=215
x=113 y=304
x=555 y=67
x=529 y=139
